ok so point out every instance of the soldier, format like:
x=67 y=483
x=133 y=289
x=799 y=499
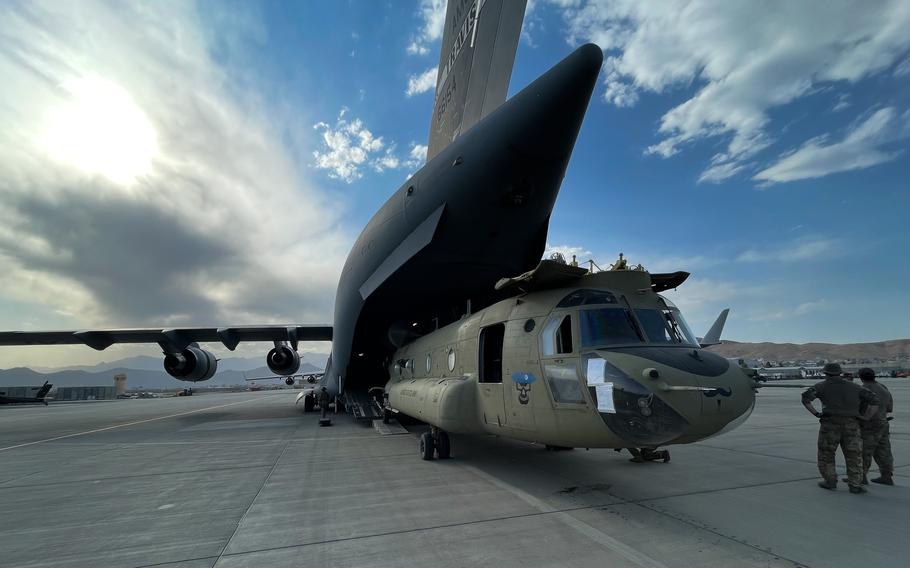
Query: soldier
x=841 y=402
x=876 y=432
x=324 y=400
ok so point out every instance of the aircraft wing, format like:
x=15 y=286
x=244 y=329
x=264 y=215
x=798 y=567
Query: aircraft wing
x=171 y=339
x=475 y=65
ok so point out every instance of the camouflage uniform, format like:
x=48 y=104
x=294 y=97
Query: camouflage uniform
x=876 y=432
x=840 y=426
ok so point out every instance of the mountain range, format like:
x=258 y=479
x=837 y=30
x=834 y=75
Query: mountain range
x=881 y=350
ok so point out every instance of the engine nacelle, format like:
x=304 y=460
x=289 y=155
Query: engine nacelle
x=289 y=381
x=282 y=360
x=191 y=364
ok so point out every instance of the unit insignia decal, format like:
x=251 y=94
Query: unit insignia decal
x=523 y=384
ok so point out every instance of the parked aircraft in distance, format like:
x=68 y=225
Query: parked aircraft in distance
x=39 y=398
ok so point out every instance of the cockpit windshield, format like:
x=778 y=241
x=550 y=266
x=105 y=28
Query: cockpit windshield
x=608 y=326
x=666 y=326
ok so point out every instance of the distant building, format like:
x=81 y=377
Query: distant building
x=120 y=383
x=86 y=393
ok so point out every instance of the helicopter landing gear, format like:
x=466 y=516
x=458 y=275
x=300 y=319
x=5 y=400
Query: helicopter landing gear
x=641 y=455
x=436 y=443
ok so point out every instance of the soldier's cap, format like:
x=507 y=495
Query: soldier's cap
x=867 y=374
x=832 y=369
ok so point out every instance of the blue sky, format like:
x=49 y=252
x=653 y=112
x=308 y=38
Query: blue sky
x=759 y=147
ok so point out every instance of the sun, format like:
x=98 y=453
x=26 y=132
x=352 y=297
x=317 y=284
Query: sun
x=101 y=130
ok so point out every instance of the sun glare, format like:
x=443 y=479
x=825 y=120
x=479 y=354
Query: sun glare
x=101 y=130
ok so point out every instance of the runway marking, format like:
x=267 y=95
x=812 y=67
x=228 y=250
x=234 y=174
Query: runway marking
x=96 y=430
x=584 y=528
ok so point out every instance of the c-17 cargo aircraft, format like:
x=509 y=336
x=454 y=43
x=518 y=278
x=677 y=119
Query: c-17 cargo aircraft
x=445 y=306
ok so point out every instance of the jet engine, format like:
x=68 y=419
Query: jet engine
x=282 y=360
x=289 y=381
x=191 y=364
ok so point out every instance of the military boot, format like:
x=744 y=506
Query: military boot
x=847 y=480
x=832 y=485
x=884 y=480
x=858 y=489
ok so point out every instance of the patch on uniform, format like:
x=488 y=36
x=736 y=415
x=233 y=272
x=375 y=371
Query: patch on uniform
x=523 y=384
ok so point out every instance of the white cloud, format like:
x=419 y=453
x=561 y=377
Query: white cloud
x=799 y=310
x=433 y=18
x=723 y=170
x=421 y=83
x=743 y=59
x=843 y=103
x=531 y=24
x=417 y=157
x=903 y=68
x=347 y=146
x=797 y=251
x=212 y=223
x=656 y=263
x=701 y=299
x=861 y=147
x=582 y=255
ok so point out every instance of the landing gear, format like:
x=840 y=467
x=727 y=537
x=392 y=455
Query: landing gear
x=641 y=455
x=436 y=442
x=443 y=445
x=386 y=415
x=309 y=403
x=426 y=446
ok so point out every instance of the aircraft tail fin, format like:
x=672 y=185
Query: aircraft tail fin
x=475 y=65
x=42 y=392
x=713 y=335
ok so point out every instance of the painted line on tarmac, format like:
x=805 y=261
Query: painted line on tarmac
x=96 y=430
x=605 y=540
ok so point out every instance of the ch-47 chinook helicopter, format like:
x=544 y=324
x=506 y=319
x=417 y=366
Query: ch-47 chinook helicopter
x=427 y=304
x=572 y=359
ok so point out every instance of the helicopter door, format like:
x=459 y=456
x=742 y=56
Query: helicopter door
x=490 y=376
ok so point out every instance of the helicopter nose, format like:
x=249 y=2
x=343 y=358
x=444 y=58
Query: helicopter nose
x=726 y=406
x=690 y=399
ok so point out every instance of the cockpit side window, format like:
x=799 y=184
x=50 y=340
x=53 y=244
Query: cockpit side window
x=556 y=337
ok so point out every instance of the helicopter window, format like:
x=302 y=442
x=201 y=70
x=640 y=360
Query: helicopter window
x=665 y=326
x=607 y=326
x=557 y=336
x=564 y=383
x=450 y=359
x=586 y=297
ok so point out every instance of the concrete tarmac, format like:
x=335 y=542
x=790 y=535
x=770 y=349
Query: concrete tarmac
x=245 y=479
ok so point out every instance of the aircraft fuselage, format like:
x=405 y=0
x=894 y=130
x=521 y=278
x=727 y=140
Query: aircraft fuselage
x=602 y=363
x=477 y=212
